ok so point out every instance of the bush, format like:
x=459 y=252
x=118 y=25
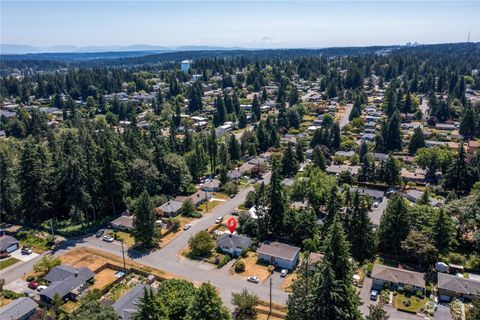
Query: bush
x=239 y=266
x=224 y=261
x=201 y=244
x=271 y=268
x=30 y=278
x=11 y=295
x=428 y=290
x=419 y=294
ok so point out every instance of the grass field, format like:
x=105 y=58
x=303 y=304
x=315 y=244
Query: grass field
x=401 y=301
x=5 y=263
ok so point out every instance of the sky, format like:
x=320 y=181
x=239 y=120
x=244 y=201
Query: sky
x=238 y=23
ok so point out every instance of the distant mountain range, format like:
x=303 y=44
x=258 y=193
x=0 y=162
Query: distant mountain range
x=26 y=49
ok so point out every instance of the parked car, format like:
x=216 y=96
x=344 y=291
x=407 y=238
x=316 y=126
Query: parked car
x=219 y=220
x=108 y=238
x=187 y=226
x=33 y=285
x=100 y=233
x=42 y=287
x=374 y=295
x=253 y=279
x=26 y=250
x=375 y=204
x=283 y=273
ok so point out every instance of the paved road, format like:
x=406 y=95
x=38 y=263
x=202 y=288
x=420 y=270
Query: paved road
x=167 y=259
x=344 y=121
x=424 y=107
x=17 y=270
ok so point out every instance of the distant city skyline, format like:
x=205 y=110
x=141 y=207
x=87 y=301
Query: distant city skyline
x=247 y=24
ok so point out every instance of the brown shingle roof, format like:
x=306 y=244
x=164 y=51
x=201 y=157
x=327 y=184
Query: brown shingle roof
x=401 y=276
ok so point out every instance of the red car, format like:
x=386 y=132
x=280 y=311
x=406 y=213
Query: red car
x=33 y=285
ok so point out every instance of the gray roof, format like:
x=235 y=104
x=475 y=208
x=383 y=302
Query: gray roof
x=233 y=241
x=17 y=308
x=211 y=184
x=234 y=174
x=376 y=194
x=399 y=276
x=278 y=250
x=64 y=279
x=125 y=221
x=126 y=306
x=7 y=241
x=459 y=285
x=171 y=206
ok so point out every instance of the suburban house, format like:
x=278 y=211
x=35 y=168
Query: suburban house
x=126 y=306
x=279 y=254
x=337 y=169
x=234 y=174
x=233 y=244
x=376 y=195
x=200 y=197
x=8 y=244
x=66 y=281
x=212 y=185
x=314 y=259
x=414 y=196
x=418 y=176
x=451 y=286
x=395 y=277
x=19 y=309
x=123 y=223
x=170 y=208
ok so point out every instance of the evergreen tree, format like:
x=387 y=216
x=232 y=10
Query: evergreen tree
x=391 y=171
x=318 y=158
x=459 y=174
x=256 y=107
x=145 y=231
x=393 y=139
x=469 y=123
x=35 y=182
x=394 y=226
x=301 y=289
x=377 y=312
x=289 y=162
x=443 y=232
x=360 y=233
x=277 y=208
x=150 y=307
x=234 y=148
x=417 y=141
x=335 y=137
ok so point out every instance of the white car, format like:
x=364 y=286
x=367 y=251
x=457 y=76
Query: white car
x=219 y=220
x=41 y=288
x=108 y=238
x=253 y=279
x=283 y=273
x=375 y=204
x=374 y=295
x=186 y=227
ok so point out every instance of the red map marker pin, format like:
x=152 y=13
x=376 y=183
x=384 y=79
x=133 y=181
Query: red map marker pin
x=232 y=224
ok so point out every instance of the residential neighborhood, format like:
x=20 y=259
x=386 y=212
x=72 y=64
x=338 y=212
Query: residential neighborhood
x=292 y=184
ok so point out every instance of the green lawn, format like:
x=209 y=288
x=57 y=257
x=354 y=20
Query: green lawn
x=401 y=302
x=5 y=263
x=127 y=238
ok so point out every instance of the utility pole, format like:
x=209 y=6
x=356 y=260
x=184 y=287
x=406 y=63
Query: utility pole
x=123 y=254
x=270 y=295
x=53 y=233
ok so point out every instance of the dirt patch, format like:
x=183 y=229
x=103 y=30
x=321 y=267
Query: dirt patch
x=97 y=258
x=4 y=301
x=287 y=283
x=167 y=237
x=252 y=268
x=104 y=278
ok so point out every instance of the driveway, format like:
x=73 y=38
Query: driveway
x=376 y=213
x=17 y=254
x=392 y=312
x=167 y=258
x=443 y=313
x=346 y=115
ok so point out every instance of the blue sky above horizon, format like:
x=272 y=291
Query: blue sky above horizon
x=242 y=23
